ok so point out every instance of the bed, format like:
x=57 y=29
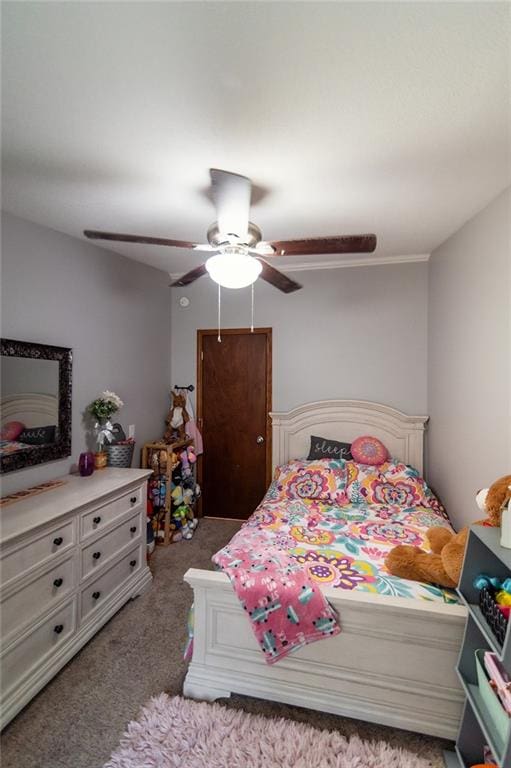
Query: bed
x=33 y=409
x=393 y=663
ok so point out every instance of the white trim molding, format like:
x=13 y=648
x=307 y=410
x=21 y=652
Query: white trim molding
x=351 y=261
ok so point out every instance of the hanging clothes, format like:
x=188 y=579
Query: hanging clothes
x=192 y=429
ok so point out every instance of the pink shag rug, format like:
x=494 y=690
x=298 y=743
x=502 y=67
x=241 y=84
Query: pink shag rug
x=182 y=733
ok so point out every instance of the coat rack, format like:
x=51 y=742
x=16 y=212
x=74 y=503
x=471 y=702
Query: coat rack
x=190 y=387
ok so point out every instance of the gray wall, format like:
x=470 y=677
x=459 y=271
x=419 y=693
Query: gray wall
x=349 y=333
x=469 y=353
x=112 y=311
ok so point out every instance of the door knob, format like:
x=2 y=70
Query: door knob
x=259 y=439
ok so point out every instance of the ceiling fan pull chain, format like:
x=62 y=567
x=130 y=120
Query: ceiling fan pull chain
x=219 y=337
x=252 y=319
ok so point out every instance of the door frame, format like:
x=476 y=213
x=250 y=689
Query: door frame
x=201 y=334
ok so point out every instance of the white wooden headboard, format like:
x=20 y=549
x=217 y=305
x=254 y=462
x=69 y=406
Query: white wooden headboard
x=345 y=420
x=31 y=408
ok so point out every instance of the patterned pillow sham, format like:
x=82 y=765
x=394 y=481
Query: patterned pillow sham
x=392 y=483
x=321 y=480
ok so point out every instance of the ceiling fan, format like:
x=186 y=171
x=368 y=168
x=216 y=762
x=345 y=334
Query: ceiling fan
x=237 y=244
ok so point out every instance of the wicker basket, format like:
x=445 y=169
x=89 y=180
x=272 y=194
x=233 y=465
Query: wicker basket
x=120 y=455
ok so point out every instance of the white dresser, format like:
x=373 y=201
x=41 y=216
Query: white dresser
x=69 y=559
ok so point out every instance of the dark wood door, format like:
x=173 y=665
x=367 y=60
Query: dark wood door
x=234 y=401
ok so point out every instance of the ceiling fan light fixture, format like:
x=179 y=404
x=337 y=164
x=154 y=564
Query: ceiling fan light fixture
x=233 y=268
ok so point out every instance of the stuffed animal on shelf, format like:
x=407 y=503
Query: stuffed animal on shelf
x=442 y=566
x=162 y=460
x=177 y=495
x=158 y=491
x=176 y=419
x=188 y=497
x=492 y=500
x=183 y=523
x=185 y=464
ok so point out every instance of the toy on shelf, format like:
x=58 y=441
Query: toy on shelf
x=494 y=499
x=172 y=490
x=495 y=602
x=484 y=765
x=499 y=679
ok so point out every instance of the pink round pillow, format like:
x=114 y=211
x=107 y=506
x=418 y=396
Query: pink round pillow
x=12 y=430
x=369 y=450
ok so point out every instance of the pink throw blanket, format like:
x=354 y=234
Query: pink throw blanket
x=286 y=610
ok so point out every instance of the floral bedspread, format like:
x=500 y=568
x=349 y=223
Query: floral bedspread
x=11 y=446
x=344 y=544
x=345 y=547
x=326 y=524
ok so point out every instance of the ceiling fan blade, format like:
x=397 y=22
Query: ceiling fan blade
x=190 y=277
x=93 y=234
x=310 y=246
x=231 y=193
x=277 y=278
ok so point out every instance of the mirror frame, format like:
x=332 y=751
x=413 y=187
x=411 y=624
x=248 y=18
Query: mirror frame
x=62 y=447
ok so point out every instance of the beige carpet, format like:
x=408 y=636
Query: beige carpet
x=78 y=719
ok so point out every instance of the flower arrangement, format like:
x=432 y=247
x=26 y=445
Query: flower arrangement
x=103 y=408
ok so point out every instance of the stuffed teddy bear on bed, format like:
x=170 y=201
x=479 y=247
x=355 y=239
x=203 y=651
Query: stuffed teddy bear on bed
x=442 y=566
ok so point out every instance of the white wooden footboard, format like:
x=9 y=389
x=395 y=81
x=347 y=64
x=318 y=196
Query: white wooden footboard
x=393 y=662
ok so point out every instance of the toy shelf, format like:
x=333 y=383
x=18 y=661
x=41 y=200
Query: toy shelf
x=485 y=555
x=468 y=746
x=478 y=727
x=169 y=449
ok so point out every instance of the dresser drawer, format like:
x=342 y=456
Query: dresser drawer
x=95 y=520
x=18 y=661
x=95 y=594
x=37 y=551
x=102 y=550
x=37 y=596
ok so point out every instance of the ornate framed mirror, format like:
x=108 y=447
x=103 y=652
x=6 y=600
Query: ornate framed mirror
x=36 y=384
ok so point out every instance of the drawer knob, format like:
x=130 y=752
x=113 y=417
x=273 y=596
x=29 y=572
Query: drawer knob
x=58 y=541
x=96 y=595
x=133 y=529
x=58 y=582
x=58 y=628
x=133 y=499
x=96 y=555
x=133 y=563
x=96 y=520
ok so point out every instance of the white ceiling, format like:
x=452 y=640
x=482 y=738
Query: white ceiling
x=350 y=117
